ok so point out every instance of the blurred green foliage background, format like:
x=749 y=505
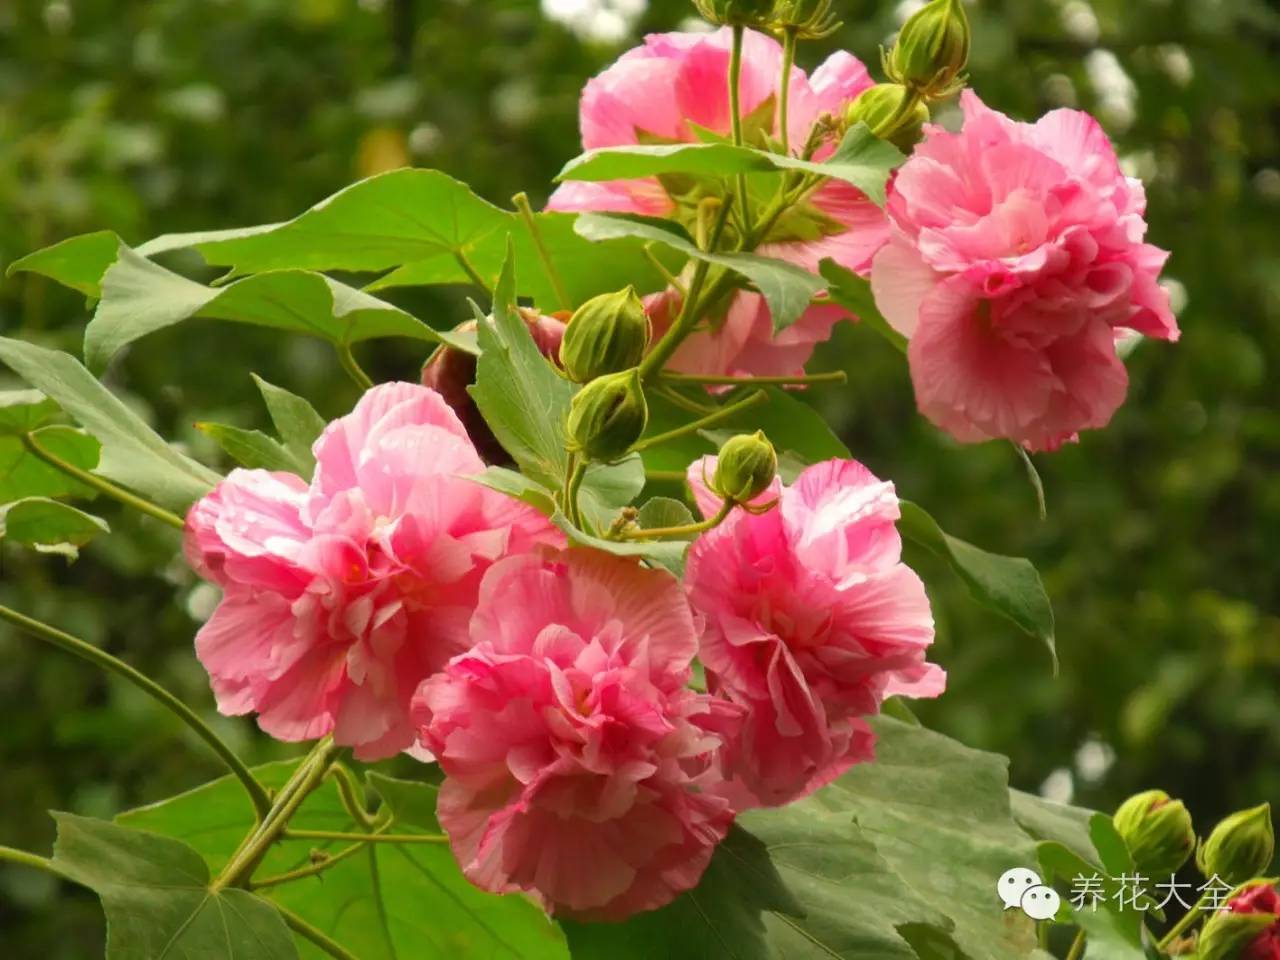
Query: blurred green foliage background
x=1160 y=547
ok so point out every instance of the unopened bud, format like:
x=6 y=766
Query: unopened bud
x=882 y=109
x=1240 y=847
x=607 y=416
x=746 y=466
x=807 y=19
x=932 y=49
x=736 y=13
x=1249 y=916
x=606 y=334
x=1158 y=832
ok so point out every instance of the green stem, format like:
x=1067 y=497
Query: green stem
x=784 y=87
x=661 y=267
x=521 y=201
x=86 y=651
x=33 y=860
x=306 y=930
x=102 y=486
x=1077 y=947
x=305 y=779
x=308 y=871
x=735 y=111
x=572 y=488
x=1189 y=920
x=688 y=530
x=671 y=340
x=905 y=106
x=350 y=793
x=471 y=272
x=670 y=476
x=354 y=371
x=836 y=376
x=710 y=420
x=378 y=837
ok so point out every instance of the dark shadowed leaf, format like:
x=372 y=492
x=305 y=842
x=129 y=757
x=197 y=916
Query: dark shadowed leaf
x=156 y=894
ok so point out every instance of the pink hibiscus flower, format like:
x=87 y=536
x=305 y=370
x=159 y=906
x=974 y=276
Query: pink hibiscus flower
x=1261 y=898
x=667 y=89
x=341 y=596
x=577 y=761
x=1015 y=262
x=810 y=620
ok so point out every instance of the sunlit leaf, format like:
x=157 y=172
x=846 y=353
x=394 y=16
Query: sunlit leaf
x=49 y=526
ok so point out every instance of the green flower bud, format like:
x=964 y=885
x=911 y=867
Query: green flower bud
x=932 y=49
x=880 y=108
x=808 y=19
x=1240 y=847
x=1158 y=832
x=746 y=466
x=1227 y=934
x=606 y=334
x=607 y=416
x=736 y=13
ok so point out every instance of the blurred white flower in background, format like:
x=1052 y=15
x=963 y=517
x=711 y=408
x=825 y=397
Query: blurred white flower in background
x=601 y=21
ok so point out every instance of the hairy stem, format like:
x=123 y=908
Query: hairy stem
x=350 y=793
x=572 y=488
x=24 y=859
x=521 y=202
x=86 y=651
x=363 y=838
x=303 y=929
x=104 y=487
x=784 y=87
x=305 y=779
x=735 y=115
x=353 y=369
x=836 y=376
x=710 y=420
x=666 y=346
x=687 y=530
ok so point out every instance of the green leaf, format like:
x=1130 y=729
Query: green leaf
x=22 y=411
x=585 y=268
x=78 y=263
x=132 y=454
x=157 y=897
x=140 y=297
x=662 y=512
x=668 y=554
x=388 y=902
x=22 y=474
x=1045 y=820
x=723 y=917
x=1113 y=932
x=861 y=159
x=1009 y=586
x=608 y=487
x=296 y=421
x=519 y=486
x=787 y=288
x=49 y=526
x=900 y=852
x=252 y=448
x=798 y=432
x=522 y=399
x=853 y=293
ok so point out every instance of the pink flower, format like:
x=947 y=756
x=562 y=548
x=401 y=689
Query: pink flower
x=1261 y=898
x=341 y=596
x=810 y=620
x=676 y=84
x=576 y=761
x=1016 y=260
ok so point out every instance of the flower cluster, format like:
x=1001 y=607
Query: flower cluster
x=397 y=604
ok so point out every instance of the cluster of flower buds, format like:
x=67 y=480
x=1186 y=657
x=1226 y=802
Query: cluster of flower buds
x=604 y=342
x=931 y=51
x=804 y=19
